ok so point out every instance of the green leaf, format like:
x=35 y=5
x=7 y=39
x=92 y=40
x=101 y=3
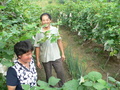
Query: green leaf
x=86 y=77
x=71 y=85
x=4 y=33
x=111 y=79
x=0 y=23
x=113 y=88
x=9 y=52
x=47 y=32
x=110 y=42
x=8 y=57
x=44 y=25
x=42 y=40
x=26 y=87
x=113 y=52
x=53 y=39
x=35 y=88
x=42 y=83
x=2 y=7
x=98 y=86
x=49 y=88
x=104 y=32
x=118 y=83
x=2 y=44
x=53 y=81
x=81 y=87
x=6 y=62
x=103 y=82
x=94 y=76
x=88 y=83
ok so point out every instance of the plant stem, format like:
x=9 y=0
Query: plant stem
x=107 y=61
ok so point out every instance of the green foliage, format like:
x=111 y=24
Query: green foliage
x=49 y=36
x=2 y=7
x=17 y=18
x=50 y=2
x=94 y=76
x=71 y=85
x=53 y=81
x=26 y=87
x=96 y=20
x=76 y=69
x=2 y=82
x=117 y=83
x=92 y=81
x=61 y=1
x=43 y=85
x=14 y=24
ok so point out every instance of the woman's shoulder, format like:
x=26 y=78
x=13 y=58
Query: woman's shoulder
x=11 y=70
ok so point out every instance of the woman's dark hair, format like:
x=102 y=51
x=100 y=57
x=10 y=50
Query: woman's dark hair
x=23 y=47
x=49 y=16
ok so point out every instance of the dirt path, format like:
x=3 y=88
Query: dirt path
x=92 y=55
x=94 y=61
x=78 y=50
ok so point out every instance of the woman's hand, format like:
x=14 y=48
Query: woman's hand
x=63 y=57
x=39 y=65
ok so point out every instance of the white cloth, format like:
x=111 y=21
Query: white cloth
x=48 y=51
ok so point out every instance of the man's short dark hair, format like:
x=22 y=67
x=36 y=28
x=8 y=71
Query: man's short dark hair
x=49 y=16
x=23 y=47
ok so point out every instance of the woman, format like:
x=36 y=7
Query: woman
x=23 y=71
x=47 y=52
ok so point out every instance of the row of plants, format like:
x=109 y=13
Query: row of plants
x=16 y=19
x=91 y=81
x=77 y=68
x=64 y=1
x=93 y=20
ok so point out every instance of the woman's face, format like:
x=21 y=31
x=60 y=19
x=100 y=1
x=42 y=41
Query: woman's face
x=26 y=58
x=46 y=20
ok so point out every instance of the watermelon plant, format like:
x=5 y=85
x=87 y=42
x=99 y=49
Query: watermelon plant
x=91 y=81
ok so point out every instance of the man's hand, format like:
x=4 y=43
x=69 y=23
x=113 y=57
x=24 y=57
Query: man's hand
x=39 y=65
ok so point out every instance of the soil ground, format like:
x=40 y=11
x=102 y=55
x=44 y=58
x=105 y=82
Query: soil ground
x=92 y=54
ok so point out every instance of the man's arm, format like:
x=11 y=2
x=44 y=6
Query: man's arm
x=37 y=50
x=60 y=44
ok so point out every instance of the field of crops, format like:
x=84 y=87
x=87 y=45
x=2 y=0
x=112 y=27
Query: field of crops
x=93 y=20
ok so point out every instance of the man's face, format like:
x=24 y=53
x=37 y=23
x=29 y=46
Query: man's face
x=46 y=20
